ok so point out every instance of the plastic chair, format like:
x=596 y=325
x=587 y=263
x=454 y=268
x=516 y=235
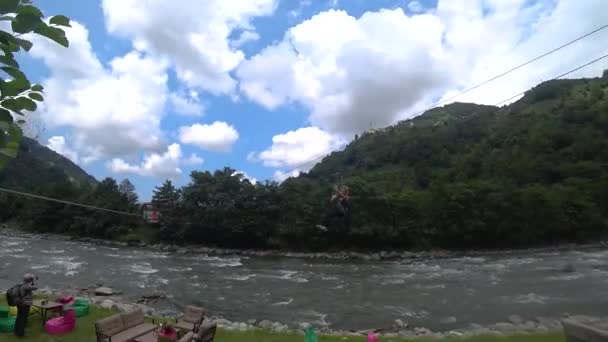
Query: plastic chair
x=61 y=325
x=7 y=324
x=80 y=306
x=4 y=311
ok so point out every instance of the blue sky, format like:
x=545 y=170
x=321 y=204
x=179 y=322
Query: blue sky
x=314 y=74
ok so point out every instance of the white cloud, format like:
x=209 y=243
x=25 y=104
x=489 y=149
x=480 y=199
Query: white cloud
x=219 y=136
x=376 y=69
x=245 y=37
x=165 y=165
x=415 y=6
x=281 y=176
x=187 y=104
x=301 y=148
x=194 y=159
x=193 y=35
x=114 y=111
x=252 y=180
x=58 y=144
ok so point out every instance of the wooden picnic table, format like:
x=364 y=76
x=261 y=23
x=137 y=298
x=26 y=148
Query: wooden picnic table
x=44 y=308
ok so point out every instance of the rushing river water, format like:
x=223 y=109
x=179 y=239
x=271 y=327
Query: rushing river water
x=439 y=294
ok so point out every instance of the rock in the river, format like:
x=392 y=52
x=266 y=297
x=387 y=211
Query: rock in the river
x=504 y=327
x=104 y=291
x=399 y=323
x=265 y=324
x=515 y=319
x=304 y=326
x=107 y=304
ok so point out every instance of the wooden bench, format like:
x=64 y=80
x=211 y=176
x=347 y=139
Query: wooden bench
x=122 y=327
x=585 y=331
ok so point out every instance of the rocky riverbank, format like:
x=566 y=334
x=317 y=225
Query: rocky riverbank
x=399 y=328
x=7 y=230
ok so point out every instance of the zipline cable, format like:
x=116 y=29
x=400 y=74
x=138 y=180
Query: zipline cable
x=297 y=167
x=131 y=214
x=555 y=78
x=14 y=192
x=515 y=68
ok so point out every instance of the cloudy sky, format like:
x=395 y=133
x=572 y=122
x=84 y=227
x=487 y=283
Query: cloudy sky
x=154 y=89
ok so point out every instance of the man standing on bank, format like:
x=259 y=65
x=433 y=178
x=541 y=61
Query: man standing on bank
x=24 y=303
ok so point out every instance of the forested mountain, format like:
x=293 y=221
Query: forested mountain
x=37 y=166
x=460 y=176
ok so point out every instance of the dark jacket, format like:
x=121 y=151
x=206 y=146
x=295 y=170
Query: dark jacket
x=27 y=293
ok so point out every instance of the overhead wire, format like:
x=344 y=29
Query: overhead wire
x=14 y=192
x=296 y=168
x=504 y=73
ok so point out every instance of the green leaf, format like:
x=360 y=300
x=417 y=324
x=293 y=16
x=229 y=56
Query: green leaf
x=37 y=87
x=9 y=61
x=5 y=39
x=25 y=44
x=14 y=87
x=14 y=73
x=6 y=116
x=25 y=23
x=4 y=126
x=13 y=144
x=53 y=33
x=13 y=105
x=60 y=20
x=15 y=132
x=36 y=96
x=8 y=6
x=27 y=104
x=9 y=152
x=30 y=10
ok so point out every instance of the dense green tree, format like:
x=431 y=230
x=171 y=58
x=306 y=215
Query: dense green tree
x=460 y=176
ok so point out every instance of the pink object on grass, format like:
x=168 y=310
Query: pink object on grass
x=372 y=338
x=172 y=334
x=61 y=325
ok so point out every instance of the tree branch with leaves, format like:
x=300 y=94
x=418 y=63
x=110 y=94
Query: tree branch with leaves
x=17 y=95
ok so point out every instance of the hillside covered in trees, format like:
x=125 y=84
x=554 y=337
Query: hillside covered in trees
x=460 y=176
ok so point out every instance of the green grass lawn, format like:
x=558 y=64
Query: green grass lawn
x=85 y=332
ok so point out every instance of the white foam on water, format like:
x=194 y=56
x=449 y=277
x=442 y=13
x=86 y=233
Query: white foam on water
x=226 y=262
x=143 y=268
x=429 y=287
x=52 y=251
x=89 y=248
x=530 y=298
x=179 y=269
x=330 y=278
x=448 y=320
x=287 y=302
x=405 y=312
x=39 y=267
x=11 y=243
x=321 y=318
x=287 y=274
x=565 y=277
x=163 y=281
x=70 y=266
x=12 y=250
x=240 y=277
x=20 y=256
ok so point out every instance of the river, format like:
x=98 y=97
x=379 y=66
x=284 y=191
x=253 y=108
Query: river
x=443 y=294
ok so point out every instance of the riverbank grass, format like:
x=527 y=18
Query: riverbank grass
x=85 y=332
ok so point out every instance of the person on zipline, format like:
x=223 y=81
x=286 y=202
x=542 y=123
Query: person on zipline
x=340 y=206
